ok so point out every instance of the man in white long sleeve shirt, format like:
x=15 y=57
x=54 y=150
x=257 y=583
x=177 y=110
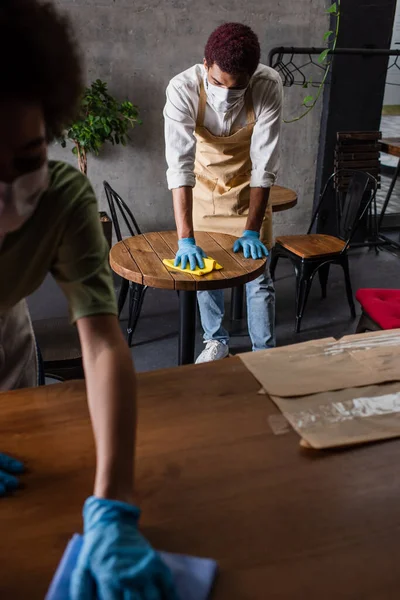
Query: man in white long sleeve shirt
x=222 y=128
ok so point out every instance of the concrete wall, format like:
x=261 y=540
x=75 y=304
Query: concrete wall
x=392 y=89
x=137 y=46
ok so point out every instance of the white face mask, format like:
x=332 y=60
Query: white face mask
x=18 y=200
x=223 y=99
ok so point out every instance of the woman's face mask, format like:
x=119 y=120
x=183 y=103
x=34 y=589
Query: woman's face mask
x=223 y=99
x=19 y=199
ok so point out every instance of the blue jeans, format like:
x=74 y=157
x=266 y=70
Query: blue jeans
x=260 y=295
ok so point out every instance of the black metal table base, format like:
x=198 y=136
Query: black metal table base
x=187 y=327
x=389 y=194
x=385 y=241
x=237 y=303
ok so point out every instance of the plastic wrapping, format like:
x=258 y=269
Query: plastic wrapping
x=335 y=393
x=338 y=412
x=345 y=417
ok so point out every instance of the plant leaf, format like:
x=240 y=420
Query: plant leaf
x=323 y=55
x=307 y=83
x=327 y=35
x=332 y=9
x=102 y=119
x=308 y=100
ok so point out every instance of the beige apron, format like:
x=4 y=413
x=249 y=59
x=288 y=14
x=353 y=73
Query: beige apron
x=18 y=358
x=223 y=170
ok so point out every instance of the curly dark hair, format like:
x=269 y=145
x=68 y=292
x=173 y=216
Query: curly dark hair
x=39 y=60
x=234 y=48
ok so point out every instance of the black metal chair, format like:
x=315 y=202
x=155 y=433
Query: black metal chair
x=314 y=253
x=59 y=349
x=136 y=291
x=40 y=364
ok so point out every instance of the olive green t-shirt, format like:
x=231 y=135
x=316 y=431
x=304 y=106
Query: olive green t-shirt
x=63 y=237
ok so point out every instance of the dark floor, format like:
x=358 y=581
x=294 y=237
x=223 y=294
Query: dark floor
x=156 y=337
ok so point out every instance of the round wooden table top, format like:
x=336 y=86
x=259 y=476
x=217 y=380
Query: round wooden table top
x=139 y=259
x=282 y=198
x=390 y=146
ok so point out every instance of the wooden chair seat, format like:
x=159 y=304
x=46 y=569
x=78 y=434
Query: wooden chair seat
x=311 y=245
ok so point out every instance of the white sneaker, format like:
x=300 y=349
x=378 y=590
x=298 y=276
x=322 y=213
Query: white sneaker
x=214 y=350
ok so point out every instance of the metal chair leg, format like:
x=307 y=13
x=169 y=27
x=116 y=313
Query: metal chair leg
x=122 y=295
x=361 y=327
x=40 y=366
x=132 y=291
x=304 y=286
x=349 y=291
x=367 y=324
x=376 y=228
x=304 y=277
x=323 y=273
x=137 y=294
x=273 y=263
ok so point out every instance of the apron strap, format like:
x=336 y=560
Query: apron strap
x=251 y=117
x=202 y=106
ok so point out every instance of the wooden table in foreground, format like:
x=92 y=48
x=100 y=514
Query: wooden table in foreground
x=140 y=259
x=213 y=480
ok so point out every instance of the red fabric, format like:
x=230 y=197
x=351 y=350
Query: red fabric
x=383 y=306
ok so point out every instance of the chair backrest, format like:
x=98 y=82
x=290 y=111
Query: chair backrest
x=358 y=150
x=118 y=206
x=352 y=205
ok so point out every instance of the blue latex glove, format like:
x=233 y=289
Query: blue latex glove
x=8 y=468
x=189 y=253
x=116 y=562
x=251 y=245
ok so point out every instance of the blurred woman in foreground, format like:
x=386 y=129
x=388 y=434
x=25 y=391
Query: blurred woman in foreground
x=49 y=223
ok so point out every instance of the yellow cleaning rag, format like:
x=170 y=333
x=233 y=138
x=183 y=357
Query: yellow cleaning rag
x=209 y=265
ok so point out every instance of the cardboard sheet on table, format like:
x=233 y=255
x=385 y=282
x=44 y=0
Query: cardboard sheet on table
x=344 y=417
x=324 y=365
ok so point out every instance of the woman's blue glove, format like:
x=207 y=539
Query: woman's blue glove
x=116 y=562
x=8 y=468
x=251 y=245
x=189 y=253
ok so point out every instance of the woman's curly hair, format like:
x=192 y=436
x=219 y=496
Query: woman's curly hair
x=234 y=48
x=39 y=60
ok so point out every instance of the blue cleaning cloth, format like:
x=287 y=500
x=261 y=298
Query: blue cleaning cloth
x=193 y=577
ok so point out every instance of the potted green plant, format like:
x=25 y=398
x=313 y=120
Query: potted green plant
x=102 y=119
